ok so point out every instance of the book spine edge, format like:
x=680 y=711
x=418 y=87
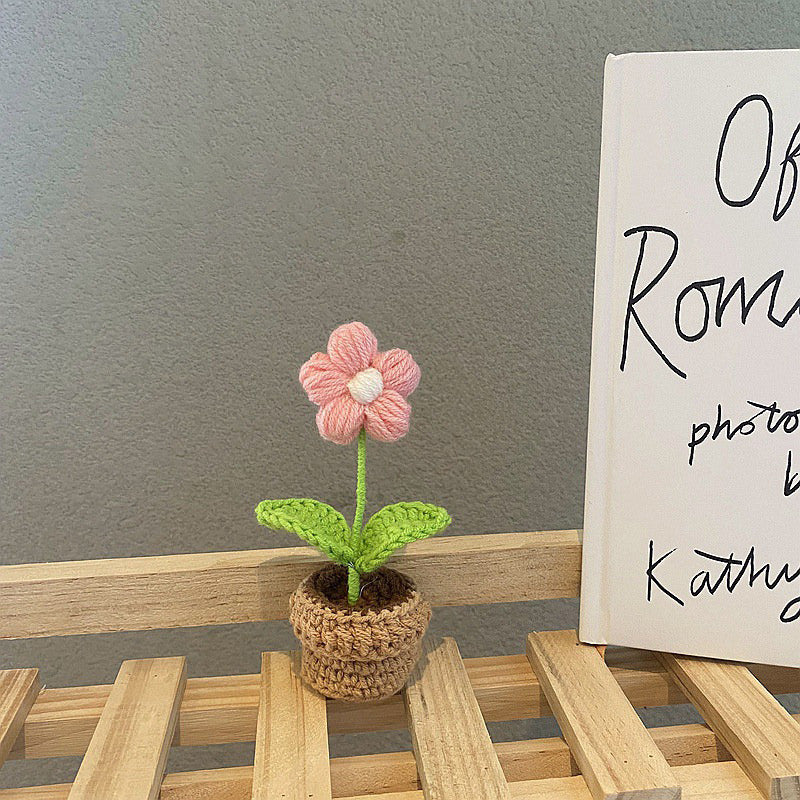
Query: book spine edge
x=594 y=612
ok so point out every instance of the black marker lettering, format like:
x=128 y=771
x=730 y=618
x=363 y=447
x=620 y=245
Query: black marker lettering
x=792 y=152
x=635 y=295
x=717 y=177
x=651 y=579
x=792 y=482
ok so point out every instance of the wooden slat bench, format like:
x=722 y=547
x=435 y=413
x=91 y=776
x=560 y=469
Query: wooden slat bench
x=749 y=749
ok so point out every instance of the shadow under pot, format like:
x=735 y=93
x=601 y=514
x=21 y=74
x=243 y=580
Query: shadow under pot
x=361 y=652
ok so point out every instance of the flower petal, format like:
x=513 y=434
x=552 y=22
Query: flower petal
x=352 y=347
x=322 y=379
x=340 y=420
x=388 y=417
x=398 y=369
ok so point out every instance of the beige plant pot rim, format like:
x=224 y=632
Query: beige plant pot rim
x=315 y=596
x=335 y=630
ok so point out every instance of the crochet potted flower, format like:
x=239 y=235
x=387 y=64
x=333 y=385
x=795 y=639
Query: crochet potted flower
x=360 y=623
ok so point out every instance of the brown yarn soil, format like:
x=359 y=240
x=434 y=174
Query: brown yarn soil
x=361 y=652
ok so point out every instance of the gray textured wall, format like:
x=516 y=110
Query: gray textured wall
x=194 y=194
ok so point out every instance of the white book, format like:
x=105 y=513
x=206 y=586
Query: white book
x=692 y=519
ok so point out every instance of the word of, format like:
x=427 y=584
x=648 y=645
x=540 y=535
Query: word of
x=784 y=197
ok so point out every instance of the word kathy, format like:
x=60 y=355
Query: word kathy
x=725 y=573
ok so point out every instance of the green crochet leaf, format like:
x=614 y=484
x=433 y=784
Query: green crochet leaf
x=395 y=526
x=314 y=522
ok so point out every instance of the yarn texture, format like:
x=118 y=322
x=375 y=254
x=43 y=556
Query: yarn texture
x=314 y=522
x=363 y=652
x=360 y=391
x=361 y=551
x=360 y=623
x=395 y=526
x=356 y=387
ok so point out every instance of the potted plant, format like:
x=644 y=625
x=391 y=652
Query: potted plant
x=360 y=623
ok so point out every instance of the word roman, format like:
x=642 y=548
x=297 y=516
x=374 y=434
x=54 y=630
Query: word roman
x=726 y=573
x=718 y=299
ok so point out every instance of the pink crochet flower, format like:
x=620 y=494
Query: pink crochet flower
x=357 y=387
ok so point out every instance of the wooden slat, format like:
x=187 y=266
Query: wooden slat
x=616 y=754
x=78 y=597
x=762 y=736
x=291 y=755
x=18 y=691
x=219 y=710
x=128 y=752
x=530 y=759
x=455 y=756
x=703 y=782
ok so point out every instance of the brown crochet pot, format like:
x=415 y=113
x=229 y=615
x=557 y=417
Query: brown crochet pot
x=361 y=652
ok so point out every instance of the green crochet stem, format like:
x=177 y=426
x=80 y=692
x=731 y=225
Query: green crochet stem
x=353 y=577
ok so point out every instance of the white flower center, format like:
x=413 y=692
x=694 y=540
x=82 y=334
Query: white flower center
x=366 y=385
